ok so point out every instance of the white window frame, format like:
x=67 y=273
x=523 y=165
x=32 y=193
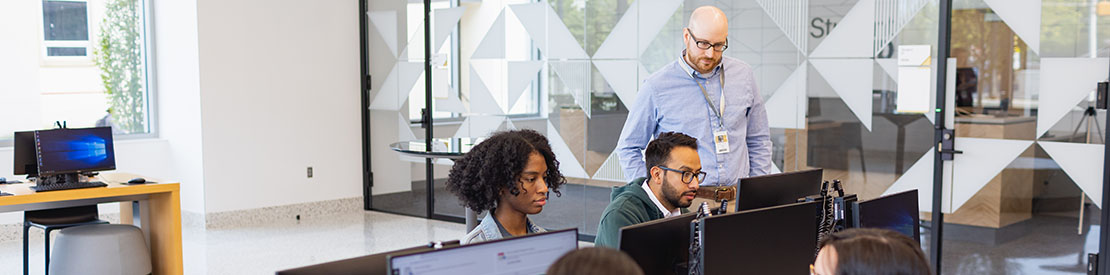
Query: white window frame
x=87 y=44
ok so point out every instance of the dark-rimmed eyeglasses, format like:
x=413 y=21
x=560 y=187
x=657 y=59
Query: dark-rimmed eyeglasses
x=704 y=45
x=687 y=176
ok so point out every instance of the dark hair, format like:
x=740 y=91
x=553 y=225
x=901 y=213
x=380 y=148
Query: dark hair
x=876 y=251
x=659 y=150
x=595 y=260
x=495 y=164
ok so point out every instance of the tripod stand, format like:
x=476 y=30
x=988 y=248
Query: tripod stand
x=1090 y=117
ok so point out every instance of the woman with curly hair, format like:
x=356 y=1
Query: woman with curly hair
x=508 y=175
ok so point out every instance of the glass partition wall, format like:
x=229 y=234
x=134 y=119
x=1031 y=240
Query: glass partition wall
x=1024 y=78
x=849 y=86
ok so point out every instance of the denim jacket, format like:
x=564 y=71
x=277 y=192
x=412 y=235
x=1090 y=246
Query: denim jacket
x=487 y=231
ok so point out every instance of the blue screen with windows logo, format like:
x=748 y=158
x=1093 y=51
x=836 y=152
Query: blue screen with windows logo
x=75 y=150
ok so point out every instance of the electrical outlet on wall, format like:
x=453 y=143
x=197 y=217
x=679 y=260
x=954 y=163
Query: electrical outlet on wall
x=310 y=172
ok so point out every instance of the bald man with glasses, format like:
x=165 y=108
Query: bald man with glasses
x=710 y=97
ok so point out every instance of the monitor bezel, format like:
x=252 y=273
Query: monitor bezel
x=740 y=186
x=389 y=259
x=814 y=205
x=19 y=147
x=684 y=254
x=111 y=151
x=916 y=218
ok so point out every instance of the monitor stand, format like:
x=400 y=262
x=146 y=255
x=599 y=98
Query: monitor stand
x=63 y=182
x=67 y=178
x=58 y=179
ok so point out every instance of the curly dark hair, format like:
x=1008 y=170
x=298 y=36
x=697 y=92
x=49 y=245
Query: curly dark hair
x=496 y=164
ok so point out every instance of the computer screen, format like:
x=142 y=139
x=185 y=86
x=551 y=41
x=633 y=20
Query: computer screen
x=61 y=151
x=896 y=212
x=529 y=254
x=374 y=264
x=659 y=246
x=25 y=161
x=774 y=240
x=777 y=189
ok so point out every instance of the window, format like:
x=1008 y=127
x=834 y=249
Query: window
x=81 y=62
x=65 y=27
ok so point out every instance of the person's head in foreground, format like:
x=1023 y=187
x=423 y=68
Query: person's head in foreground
x=870 y=251
x=595 y=260
x=509 y=174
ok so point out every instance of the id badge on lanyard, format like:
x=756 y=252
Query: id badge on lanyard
x=720 y=136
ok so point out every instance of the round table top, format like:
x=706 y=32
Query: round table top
x=449 y=148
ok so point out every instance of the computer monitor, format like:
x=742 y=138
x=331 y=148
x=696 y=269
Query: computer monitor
x=529 y=254
x=898 y=212
x=659 y=246
x=374 y=264
x=25 y=162
x=68 y=151
x=777 y=189
x=774 y=240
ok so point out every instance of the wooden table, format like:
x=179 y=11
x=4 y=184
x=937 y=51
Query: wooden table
x=156 y=208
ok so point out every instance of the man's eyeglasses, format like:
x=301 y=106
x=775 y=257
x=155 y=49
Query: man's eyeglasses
x=687 y=176
x=704 y=45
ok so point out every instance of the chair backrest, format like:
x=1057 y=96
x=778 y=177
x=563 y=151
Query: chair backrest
x=67 y=215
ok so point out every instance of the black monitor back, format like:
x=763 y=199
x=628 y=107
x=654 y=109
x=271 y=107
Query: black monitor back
x=775 y=240
x=898 y=212
x=373 y=264
x=25 y=160
x=659 y=246
x=777 y=189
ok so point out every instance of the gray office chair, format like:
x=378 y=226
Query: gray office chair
x=55 y=219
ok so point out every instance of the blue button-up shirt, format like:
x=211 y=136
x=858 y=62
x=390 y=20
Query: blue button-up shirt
x=670 y=101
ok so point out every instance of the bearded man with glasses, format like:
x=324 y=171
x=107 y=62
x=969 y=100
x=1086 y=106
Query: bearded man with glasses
x=710 y=97
x=672 y=178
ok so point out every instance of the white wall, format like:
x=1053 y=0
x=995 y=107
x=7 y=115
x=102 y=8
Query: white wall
x=177 y=71
x=247 y=98
x=18 y=83
x=279 y=92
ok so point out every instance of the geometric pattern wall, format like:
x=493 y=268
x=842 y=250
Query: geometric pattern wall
x=844 y=60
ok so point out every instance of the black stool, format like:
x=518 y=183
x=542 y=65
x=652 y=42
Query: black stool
x=55 y=219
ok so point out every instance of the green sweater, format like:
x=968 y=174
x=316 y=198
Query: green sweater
x=628 y=205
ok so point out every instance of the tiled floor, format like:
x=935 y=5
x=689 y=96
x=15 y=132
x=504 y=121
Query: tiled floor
x=266 y=248
x=1051 y=247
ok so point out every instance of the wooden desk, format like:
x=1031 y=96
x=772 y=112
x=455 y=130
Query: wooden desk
x=158 y=212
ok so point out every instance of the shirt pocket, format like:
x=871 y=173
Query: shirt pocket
x=738 y=108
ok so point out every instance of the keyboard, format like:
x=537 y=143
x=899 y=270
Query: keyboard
x=67 y=186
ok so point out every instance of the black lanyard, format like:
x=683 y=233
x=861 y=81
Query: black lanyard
x=719 y=112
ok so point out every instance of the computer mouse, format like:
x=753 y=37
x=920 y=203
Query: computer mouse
x=137 y=181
